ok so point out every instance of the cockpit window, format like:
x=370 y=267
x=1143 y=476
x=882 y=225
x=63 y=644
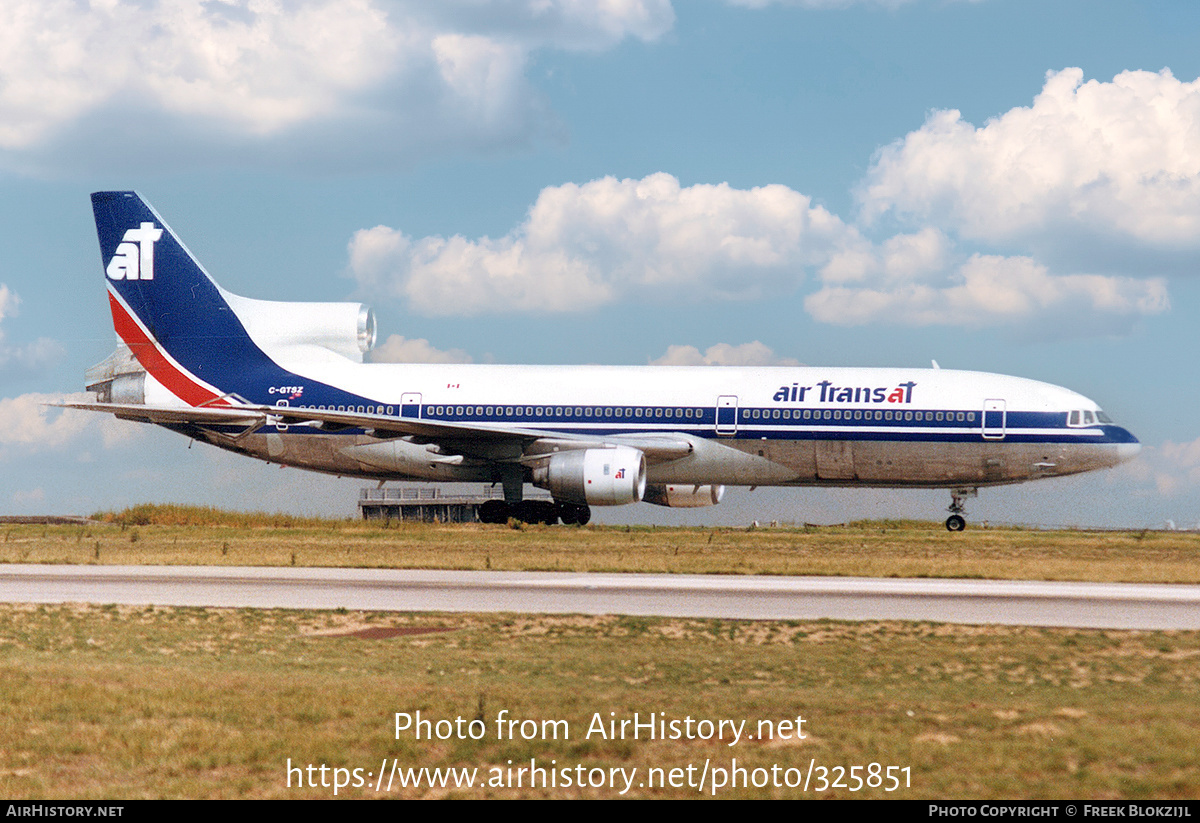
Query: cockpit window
x=1087 y=417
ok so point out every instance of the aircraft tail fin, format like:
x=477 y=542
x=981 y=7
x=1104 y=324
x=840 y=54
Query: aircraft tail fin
x=165 y=306
x=202 y=344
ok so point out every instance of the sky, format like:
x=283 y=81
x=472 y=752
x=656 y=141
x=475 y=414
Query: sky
x=1001 y=185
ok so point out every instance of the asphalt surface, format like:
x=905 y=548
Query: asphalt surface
x=1006 y=602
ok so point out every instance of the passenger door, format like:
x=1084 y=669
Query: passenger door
x=410 y=405
x=995 y=419
x=727 y=412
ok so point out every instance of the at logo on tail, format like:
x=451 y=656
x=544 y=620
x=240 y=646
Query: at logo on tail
x=134 y=258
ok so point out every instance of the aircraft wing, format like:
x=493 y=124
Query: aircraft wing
x=472 y=439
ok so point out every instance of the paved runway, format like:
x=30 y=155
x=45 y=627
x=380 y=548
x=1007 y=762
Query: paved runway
x=1084 y=605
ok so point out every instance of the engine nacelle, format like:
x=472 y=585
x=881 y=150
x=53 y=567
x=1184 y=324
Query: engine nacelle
x=118 y=378
x=685 y=496
x=345 y=328
x=126 y=388
x=596 y=477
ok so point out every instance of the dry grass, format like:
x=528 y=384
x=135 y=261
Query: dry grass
x=866 y=549
x=116 y=702
x=171 y=514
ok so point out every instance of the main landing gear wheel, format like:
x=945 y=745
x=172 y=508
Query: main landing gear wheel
x=494 y=511
x=956 y=522
x=536 y=511
x=572 y=514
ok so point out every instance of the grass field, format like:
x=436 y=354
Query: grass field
x=106 y=702
x=126 y=702
x=178 y=535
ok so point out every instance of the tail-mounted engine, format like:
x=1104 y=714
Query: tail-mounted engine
x=596 y=477
x=119 y=378
x=345 y=328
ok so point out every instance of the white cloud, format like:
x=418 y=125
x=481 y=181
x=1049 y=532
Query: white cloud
x=401 y=76
x=899 y=259
x=1100 y=163
x=29 y=425
x=399 y=349
x=724 y=354
x=1097 y=158
x=911 y=281
x=586 y=245
x=29 y=497
x=8 y=301
x=577 y=25
x=31 y=356
x=824 y=4
x=1163 y=479
x=254 y=65
x=1173 y=467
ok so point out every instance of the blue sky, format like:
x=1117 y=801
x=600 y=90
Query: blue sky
x=1001 y=185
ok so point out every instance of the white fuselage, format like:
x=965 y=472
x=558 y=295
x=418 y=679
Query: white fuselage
x=747 y=426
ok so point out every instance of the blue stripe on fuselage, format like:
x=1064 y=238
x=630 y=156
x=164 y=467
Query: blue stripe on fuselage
x=1023 y=427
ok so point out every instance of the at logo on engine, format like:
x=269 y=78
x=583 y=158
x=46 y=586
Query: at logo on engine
x=134 y=258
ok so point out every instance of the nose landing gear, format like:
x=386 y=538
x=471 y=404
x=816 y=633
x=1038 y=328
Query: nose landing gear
x=956 y=522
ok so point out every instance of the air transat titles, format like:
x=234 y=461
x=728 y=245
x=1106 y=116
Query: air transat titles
x=830 y=393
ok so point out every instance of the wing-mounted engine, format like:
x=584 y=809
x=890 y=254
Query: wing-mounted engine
x=596 y=477
x=676 y=496
x=304 y=330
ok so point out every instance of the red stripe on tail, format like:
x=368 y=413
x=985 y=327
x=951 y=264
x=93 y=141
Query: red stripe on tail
x=177 y=381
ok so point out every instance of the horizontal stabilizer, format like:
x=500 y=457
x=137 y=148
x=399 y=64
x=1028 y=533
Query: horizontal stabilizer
x=211 y=416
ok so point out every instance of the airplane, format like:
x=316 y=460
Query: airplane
x=286 y=383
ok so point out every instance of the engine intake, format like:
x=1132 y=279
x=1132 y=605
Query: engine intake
x=596 y=477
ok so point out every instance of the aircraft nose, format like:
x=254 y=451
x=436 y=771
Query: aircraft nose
x=1128 y=451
